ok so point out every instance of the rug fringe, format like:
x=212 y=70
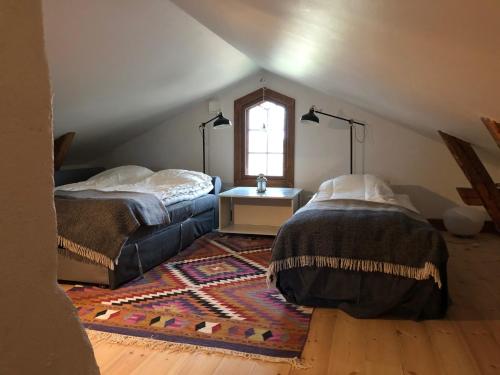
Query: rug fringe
x=173 y=347
x=85 y=252
x=418 y=273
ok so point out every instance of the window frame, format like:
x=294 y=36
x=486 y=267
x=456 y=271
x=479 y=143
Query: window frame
x=241 y=142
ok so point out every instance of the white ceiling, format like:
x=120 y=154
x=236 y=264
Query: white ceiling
x=426 y=64
x=119 y=68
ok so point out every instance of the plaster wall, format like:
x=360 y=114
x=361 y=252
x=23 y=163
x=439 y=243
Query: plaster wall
x=40 y=332
x=416 y=164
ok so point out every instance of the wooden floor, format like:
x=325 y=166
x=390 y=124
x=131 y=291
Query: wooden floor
x=468 y=342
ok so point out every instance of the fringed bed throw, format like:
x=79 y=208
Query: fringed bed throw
x=359 y=236
x=423 y=273
x=69 y=248
x=95 y=225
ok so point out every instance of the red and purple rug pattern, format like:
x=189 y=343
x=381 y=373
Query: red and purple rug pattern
x=212 y=294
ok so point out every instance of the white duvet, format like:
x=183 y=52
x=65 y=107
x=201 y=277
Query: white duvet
x=363 y=187
x=168 y=185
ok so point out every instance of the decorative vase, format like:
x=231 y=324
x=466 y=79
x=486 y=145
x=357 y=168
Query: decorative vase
x=261 y=183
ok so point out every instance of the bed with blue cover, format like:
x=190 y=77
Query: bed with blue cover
x=369 y=258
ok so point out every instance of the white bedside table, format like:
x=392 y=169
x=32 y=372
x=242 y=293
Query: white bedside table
x=243 y=210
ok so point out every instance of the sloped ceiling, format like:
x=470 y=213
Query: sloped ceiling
x=120 y=67
x=426 y=64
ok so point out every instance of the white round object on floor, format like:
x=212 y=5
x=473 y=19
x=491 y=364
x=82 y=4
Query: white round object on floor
x=464 y=221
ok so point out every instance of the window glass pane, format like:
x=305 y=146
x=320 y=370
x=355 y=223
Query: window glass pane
x=276 y=119
x=275 y=164
x=257 y=117
x=275 y=141
x=257 y=164
x=267 y=105
x=265 y=134
x=257 y=141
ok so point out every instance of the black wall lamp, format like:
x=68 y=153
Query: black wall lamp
x=219 y=123
x=310 y=118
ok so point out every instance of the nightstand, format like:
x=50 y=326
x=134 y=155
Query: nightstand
x=243 y=210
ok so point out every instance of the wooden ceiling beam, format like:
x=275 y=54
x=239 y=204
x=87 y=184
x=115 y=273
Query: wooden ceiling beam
x=493 y=127
x=470 y=197
x=476 y=173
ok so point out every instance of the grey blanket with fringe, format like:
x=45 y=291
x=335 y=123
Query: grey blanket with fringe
x=96 y=224
x=359 y=236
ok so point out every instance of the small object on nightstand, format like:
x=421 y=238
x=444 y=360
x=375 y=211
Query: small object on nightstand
x=261 y=183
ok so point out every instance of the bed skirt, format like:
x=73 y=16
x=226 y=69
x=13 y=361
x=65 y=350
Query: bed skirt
x=365 y=294
x=151 y=250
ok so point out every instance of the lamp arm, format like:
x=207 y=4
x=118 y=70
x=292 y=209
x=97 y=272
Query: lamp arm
x=204 y=124
x=350 y=121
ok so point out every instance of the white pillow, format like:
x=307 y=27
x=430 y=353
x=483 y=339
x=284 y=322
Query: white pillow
x=356 y=186
x=126 y=174
x=179 y=178
x=362 y=187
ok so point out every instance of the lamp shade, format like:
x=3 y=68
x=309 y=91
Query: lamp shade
x=310 y=118
x=221 y=122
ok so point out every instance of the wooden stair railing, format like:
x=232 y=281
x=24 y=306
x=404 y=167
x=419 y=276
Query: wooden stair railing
x=484 y=189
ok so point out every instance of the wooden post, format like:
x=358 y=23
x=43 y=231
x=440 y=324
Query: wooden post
x=476 y=173
x=61 y=148
x=493 y=127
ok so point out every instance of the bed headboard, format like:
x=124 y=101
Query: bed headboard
x=216 y=181
x=69 y=176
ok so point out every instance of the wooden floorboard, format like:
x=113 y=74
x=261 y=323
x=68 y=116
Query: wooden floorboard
x=467 y=342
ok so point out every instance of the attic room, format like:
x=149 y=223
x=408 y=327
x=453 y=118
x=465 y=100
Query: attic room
x=250 y=187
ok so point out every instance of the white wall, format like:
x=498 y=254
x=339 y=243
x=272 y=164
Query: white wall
x=422 y=164
x=39 y=330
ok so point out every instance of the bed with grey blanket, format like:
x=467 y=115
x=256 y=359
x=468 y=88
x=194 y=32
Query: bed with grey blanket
x=110 y=238
x=95 y=224
x=368 y=259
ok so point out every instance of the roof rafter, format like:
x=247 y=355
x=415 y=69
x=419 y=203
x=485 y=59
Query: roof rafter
x=493 y=127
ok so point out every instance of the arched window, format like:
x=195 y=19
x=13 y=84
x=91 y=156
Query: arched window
x=264 y=124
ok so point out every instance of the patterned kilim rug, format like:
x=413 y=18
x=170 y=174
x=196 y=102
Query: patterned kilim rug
x=212 y=296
